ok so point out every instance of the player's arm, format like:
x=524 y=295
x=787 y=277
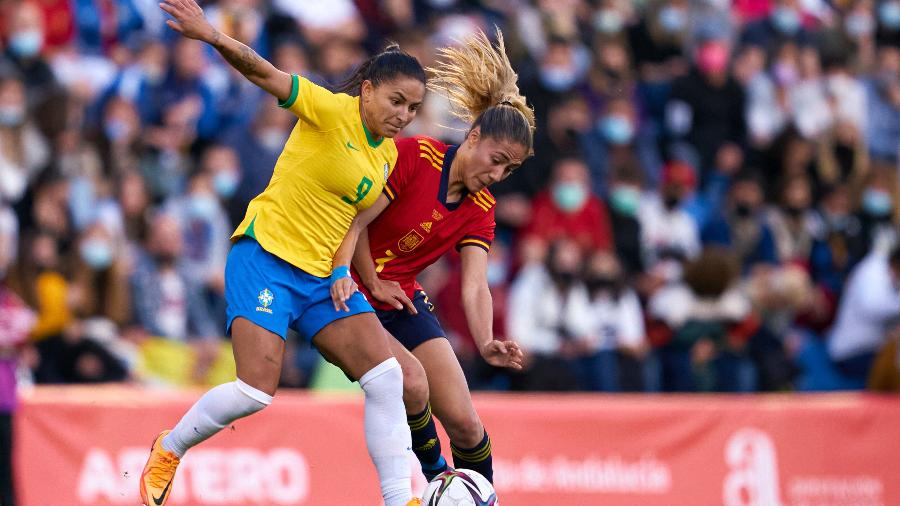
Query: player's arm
x=387 y=291
x=342 y=285
x=188 y=20
x=478 y=306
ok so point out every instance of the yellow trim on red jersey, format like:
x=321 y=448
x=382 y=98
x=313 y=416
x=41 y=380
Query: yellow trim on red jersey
x=430 y=148
x=428 y=157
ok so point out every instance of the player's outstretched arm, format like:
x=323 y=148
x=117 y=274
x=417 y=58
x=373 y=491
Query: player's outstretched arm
x=188 y=20
x=479 y=309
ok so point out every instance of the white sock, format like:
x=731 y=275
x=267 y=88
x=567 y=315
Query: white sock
x=216 y=409
x=387 y=433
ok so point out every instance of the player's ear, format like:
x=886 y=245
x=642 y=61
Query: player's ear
x=366 y=90
x=474 y=136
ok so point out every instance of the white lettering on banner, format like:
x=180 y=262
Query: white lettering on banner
x=590 y=475
x=836 y=491
x=753 y=479
x=206 y=476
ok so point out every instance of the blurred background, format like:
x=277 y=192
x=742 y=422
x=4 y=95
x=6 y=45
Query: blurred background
x=709 y=179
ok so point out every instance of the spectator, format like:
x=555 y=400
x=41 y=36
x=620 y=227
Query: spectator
x=741 y=226
x=793 y=222
x=624 y=203
x=25 y=42
x=569 y=210
x=542 y=316
x=612 y=338
x=870 y=303
x=707 y=110
x=883 y=111
x=23 y=150
x=707 y=317
x=168 y=302
x=667 y=230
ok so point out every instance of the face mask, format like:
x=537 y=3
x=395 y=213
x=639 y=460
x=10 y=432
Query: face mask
x=601 y=283
x=672 y=19
x=625 y=200
x=876 y=202
x=616 y=129
x=786 y=20
x=496 y=273
x=563 y=277
x=202 y=206
x=97 y=253
x=743 y=210
x=608 y=21
x=272 y=138
x=569 y=197
x=794 y=211
x=859 y=25
x=558 y=78
x=11 y=115
x=785 y=73
x=671 y=201
x=26 y=44
x=889 y=13
x=225 y=183
x=712 y=59
x=117 y=130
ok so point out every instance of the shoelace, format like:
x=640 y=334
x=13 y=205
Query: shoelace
x=161 y=473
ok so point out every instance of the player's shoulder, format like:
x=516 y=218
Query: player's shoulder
x=422 y=144
x=484 y=199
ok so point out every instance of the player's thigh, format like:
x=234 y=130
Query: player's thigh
x=448 y=390
x=415 y=383
x=258 y=355
x=356 y=344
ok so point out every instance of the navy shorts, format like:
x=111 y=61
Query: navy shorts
x=412 y=329
x=276 y=295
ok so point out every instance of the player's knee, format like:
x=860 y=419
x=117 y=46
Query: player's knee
x=465 y=429
x=385 y=380
x=415 y=387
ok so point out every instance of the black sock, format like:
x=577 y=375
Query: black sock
x=426 y=444
x=478 y=459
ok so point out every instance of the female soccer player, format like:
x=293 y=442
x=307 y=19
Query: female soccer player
x=279 y=271
x=438 y=199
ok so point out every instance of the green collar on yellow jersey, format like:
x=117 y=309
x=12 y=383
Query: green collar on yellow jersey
x=369 y=138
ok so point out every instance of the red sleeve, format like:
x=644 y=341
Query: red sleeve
x=407 y=157
x=480 y=234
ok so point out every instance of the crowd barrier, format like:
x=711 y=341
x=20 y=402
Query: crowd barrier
x=86 y=446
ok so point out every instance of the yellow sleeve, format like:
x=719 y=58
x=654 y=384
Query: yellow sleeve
x=313 y=103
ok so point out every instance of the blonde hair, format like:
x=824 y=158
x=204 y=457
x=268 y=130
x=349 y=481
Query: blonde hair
x=477 y=77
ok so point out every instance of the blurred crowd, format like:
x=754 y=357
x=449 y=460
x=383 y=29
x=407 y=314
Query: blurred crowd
x=713 y=204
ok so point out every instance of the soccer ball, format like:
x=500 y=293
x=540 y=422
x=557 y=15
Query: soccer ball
x=459 y=487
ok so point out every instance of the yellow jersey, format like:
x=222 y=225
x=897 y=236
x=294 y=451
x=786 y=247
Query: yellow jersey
x=330 y=169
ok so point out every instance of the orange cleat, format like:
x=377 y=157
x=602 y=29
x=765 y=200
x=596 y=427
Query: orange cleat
x=158 y=473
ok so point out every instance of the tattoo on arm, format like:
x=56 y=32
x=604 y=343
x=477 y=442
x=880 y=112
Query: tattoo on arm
x=242 y=58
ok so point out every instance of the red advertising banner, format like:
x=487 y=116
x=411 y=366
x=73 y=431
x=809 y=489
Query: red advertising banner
x=86 y=446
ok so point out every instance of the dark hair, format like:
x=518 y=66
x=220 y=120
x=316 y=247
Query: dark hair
x=383 y=67
x=506 y=122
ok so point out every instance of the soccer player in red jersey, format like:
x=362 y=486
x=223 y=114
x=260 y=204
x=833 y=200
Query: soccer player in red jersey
x=436 y=199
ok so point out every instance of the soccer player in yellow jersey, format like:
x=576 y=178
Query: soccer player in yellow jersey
x=280 y=269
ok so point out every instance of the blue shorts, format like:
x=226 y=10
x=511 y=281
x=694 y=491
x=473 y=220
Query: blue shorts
x=276 y=295
x=412 y=329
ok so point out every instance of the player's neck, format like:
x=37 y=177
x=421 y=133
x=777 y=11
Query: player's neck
x=456 y=186
x=365 y=122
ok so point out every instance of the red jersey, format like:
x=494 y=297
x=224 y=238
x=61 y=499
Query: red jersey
x=419 y=226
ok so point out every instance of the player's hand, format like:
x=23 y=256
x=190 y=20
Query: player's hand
x=503 y=354
x=341 y=290
x=188 y=20
x=390 y=292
